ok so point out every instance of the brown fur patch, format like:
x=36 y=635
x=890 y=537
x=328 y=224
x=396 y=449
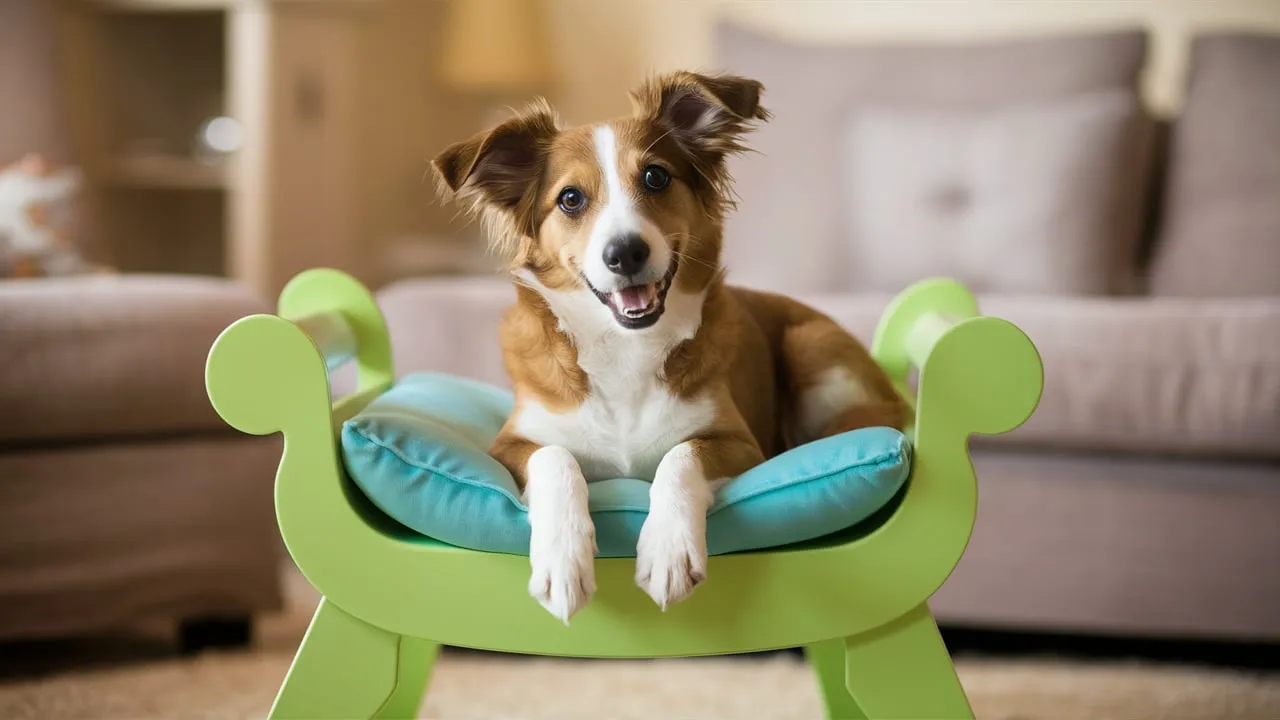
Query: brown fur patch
x=513 y=453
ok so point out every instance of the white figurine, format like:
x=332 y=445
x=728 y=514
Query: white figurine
x=35 y=205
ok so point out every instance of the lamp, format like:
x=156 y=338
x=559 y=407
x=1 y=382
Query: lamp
x=496 y=47
x=497 y=50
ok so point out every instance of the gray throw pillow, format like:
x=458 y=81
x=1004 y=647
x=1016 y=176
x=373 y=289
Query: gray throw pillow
x=1035 y=197
x=1220 y=233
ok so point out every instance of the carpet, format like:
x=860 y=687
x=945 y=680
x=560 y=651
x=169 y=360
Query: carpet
x=241 y=684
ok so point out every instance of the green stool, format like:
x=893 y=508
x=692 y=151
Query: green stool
x=857 y=602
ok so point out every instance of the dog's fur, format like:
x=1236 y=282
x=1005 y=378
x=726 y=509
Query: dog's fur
x=709 y=382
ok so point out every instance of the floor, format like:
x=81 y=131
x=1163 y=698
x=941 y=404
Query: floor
x=139 y=677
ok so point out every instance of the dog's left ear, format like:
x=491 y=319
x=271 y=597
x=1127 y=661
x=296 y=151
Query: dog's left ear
x=706 y=114
x=497 y=167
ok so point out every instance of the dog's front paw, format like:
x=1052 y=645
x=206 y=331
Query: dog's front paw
x=671 y=557
x=562 y=540
x=564 y=576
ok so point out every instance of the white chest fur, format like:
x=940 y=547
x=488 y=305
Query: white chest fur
x=630 y=418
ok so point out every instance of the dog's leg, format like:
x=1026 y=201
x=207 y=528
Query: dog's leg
x=836 y=384
x=562 y=540
x=671 y=557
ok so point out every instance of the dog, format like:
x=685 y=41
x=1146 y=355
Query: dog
x=629 y=354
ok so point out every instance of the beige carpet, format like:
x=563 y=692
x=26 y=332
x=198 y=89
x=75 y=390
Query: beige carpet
x=242 y=684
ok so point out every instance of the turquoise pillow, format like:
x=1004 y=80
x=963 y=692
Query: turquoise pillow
x=419 y=453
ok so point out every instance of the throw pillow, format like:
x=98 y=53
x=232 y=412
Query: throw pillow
x=1037 y=197
x=1221 y=227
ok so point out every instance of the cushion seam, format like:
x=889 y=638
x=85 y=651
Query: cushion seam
x=878 y=463
x=411 y=463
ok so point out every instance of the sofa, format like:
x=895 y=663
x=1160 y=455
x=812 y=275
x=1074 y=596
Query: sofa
x=1141 y=254
x=123 y=496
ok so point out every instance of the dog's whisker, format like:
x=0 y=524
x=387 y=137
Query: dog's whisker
x=699 y=261
x=694 y=239
x=684 y=236
x=658 y=140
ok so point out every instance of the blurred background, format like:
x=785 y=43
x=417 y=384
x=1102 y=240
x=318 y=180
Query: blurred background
x=1104 y=173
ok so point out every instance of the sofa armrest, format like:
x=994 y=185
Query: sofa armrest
x=111 y=356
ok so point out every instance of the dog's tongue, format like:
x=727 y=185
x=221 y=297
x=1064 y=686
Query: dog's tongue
x=635 y=300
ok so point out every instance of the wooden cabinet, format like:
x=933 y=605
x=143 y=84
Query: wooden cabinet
x=141 y=79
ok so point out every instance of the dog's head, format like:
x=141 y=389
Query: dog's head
x=626 y=208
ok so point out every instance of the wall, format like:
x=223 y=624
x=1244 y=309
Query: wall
x=407 y=118
x=31 y=115
x=603 y=46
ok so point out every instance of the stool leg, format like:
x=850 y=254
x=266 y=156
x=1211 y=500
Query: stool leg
x=827 y=660
x=417 y=656
x=345 y=668
x=902 y=671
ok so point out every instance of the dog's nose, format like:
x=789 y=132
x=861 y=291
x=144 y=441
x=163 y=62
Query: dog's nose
x=625 y=255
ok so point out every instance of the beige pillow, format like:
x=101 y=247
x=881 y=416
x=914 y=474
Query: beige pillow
x=1035 y=197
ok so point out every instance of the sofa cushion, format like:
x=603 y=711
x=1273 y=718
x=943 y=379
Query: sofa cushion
x=1167 y=376
x=111 y=356
x=1143 y=375
x=419 y=452
x=789 y=233
x=465 y=310
x=1221 y=228
x=1035 y=197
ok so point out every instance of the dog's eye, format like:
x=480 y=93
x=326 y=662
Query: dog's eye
x=656 y=178
x=571 y=200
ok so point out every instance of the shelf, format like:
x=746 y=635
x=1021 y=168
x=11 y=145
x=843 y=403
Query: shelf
x=164 y=5
x=152 y=6
x=165 y=171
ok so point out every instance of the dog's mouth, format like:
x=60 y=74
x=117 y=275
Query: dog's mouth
x=638 y=306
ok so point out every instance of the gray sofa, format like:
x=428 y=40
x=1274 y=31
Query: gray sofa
x=123 y=496
x=1143 y=257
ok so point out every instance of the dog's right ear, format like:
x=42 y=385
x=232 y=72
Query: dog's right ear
x=499 y=167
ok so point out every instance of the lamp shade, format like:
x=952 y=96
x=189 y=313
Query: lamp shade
x=496 y=46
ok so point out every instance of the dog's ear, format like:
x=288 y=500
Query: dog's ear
x=706 y=114
x=498 y=168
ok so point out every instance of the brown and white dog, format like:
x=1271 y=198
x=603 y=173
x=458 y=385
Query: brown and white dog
x=628 y=353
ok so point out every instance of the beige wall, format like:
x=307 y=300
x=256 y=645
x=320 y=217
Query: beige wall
x=603 y=46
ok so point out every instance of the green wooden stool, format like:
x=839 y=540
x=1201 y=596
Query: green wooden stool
x=856 y=602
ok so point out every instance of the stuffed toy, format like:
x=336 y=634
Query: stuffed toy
x=35 y=217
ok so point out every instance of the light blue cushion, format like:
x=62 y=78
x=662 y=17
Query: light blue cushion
x=419 y=454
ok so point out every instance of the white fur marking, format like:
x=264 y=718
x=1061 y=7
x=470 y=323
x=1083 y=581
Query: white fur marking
x=671 y=557
x=562 y=542
x=617 y=216
x=630 y=418
x=836 y=391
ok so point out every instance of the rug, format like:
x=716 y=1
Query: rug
x=239 y=685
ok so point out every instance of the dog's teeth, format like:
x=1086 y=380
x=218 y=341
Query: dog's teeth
x=634 y=301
